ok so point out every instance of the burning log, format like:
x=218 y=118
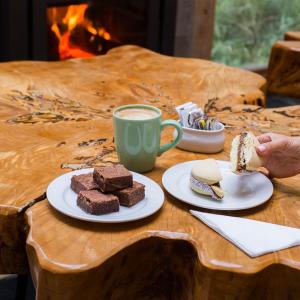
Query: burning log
x=73 y=34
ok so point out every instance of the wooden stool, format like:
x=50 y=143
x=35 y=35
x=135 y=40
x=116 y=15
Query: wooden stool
x=292 y=36
x=283 y=76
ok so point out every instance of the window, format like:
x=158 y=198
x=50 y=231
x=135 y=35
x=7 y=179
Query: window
x=245 y=30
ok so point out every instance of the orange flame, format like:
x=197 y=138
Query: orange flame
x=64 y=21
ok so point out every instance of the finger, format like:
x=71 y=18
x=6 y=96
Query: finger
x=264 y=138
x=261 y=149
x=265 y=149
x=268 y=148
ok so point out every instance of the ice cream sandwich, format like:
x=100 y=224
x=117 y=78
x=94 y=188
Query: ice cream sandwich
x=243 y=156
x=205 y=178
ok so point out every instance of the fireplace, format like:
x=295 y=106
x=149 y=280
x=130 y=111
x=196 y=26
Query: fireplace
x=46 y=29
x=84 y=30
x=94 y=27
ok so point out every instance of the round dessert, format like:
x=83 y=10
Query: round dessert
x=205 y=179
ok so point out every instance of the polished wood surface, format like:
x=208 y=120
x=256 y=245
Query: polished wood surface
x=56 y=117
x=292 y=36
x=44 y=108
x=284 y=69
x=82 y=251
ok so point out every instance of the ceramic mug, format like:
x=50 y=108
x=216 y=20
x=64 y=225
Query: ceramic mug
x=138 y=140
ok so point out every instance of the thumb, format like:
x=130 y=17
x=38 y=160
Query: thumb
x=266 y=148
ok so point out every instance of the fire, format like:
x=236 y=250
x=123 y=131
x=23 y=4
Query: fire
x=63 y=20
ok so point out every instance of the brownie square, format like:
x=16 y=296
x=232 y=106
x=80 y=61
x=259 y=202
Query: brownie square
x=83 y=182
x=132 y=195
x=97 y=203
x=112 y=178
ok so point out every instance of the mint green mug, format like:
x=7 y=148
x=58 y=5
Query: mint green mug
x=137 y=134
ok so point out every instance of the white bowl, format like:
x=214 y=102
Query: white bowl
x=204 y=141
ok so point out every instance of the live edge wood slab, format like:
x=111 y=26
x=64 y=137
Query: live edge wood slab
x=56 y=117
x=284 y=69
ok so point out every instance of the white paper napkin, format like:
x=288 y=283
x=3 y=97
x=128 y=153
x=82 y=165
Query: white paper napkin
x=253 y=237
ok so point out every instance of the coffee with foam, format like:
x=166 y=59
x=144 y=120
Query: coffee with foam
x=136 y=114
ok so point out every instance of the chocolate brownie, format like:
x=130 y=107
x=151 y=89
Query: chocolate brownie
x=97 y=203
x=112 y=178
x=131 y=195
x=83 y=182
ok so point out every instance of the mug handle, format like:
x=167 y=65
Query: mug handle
x=168 y=146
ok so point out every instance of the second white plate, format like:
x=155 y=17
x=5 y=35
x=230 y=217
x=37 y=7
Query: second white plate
x=62 y=198
x=241 y=192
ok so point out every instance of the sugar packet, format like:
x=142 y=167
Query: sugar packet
x=184 y=111
x=192 y=116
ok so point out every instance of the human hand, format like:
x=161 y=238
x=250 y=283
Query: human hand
x=280 y=154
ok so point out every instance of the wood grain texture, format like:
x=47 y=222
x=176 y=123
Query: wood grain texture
x=292 y=36
x=44 y=109
x=98 y=250
x=216 y=263
x=55 y=117
x=284 y=69
x=166 y=268
x=194 y=28
x=43 y=104
x=204 y=21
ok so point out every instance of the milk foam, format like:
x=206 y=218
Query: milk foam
x=137 y=114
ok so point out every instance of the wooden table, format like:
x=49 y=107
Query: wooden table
x=56 y=116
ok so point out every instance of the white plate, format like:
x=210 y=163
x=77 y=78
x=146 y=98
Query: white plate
x=61 y=196
x=241 y=191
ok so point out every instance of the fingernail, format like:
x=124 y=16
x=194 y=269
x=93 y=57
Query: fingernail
x=261 y=148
